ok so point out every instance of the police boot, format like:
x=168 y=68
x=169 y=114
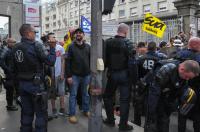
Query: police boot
x=11 y=108
x=125 y=127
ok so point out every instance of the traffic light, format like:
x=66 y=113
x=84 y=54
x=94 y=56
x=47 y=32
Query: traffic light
x=107 y=6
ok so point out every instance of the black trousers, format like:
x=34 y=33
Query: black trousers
x=117 y=79
x=194 y=115
x=10 y=89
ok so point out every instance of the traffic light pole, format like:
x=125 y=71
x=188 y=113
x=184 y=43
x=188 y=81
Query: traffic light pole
x=95 y=119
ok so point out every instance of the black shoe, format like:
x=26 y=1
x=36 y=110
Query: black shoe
x=125 y=127
x=11 y=108
x=50 y=118
x=109 y=123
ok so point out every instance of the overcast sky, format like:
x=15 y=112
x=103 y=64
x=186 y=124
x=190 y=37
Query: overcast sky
x=3 y=20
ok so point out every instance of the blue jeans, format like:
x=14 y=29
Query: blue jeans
x=83 y=82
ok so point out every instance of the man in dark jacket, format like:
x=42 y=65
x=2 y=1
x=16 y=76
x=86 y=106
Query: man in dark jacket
x=145 y=65
x=169 y=83
x=29 y=58
x=78 y=73
x=118 y=52
x=9 y=83
x=192 y=53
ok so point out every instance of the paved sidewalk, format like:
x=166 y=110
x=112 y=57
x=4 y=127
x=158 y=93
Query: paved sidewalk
x=10 y=122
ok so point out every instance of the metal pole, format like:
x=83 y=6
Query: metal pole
x=79 y=13
x=95 y=120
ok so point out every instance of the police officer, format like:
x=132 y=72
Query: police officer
x=193 y=53
x=117 y=54
x=29 y=57
x=145 y=64
x=9 y=83
x=169 y=83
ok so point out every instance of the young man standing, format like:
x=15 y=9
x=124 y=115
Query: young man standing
x=78 y=73
x=59 y=77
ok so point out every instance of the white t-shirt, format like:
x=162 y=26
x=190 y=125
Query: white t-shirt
x=59 y=52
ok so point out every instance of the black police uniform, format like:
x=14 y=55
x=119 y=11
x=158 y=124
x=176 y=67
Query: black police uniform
x=166 y=87
x=117 y=55
x=10 y=82
x=194 y=114
x=29 y=57
x=145 y=64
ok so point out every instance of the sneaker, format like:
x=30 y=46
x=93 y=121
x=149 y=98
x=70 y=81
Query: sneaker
x=55 y=114
x=73 y=119
x=125 y=127
x=109 y=123
x=87 y=114
x=61 y=111
x=11 y=108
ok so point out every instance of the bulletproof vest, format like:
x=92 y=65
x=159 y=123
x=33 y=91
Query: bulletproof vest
x=146 y=63
x=150 y=76
x=117 y=54
x=26 y=67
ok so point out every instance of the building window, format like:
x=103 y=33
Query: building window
x=71 y=14
x=162 y=6
x=121 y=13
x=76 y=22
x=147 y=8
x=71 y=23
x=81 y=12
x=54 y=24
x=54 y=16
x=47 y=26
x=76 y=3
x=76 y=13
x=121 y=1
x=47 y=18
x=71 y=5
x=88 y=9
x=133 y=11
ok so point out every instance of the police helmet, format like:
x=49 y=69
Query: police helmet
x=187 y=101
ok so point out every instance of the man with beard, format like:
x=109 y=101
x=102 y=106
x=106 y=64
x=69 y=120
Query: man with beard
x=78 y=73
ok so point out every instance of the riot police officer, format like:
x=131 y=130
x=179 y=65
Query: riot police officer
x=117 y=55
x=29 y=57
x=191 y=53
x=9 y=83
x=145 y=64
x=169 y=83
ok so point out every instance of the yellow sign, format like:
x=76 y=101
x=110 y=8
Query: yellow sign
x=154 y=25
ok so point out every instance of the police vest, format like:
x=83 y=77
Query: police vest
x=117 y=54
x=26 y=66
x=146 y=63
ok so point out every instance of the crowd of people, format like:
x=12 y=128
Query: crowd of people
x=157 y=79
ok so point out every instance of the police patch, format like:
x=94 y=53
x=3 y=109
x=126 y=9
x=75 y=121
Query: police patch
x=19 y=56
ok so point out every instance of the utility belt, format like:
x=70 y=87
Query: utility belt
x=35 y=77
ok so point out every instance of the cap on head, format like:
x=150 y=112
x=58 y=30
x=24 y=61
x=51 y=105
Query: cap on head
x=79 y=30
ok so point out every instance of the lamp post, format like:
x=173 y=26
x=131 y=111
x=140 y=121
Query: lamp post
x=79 y=13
